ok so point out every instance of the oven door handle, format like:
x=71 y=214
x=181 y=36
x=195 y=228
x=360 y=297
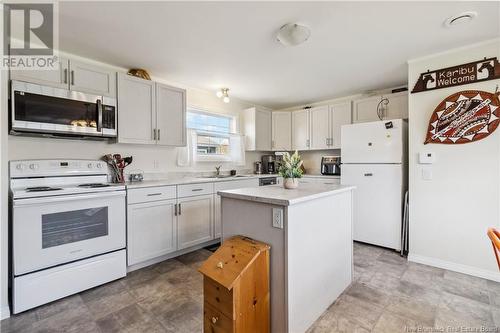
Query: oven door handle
x=65 y=198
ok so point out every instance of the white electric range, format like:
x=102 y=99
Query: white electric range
x=68 y=229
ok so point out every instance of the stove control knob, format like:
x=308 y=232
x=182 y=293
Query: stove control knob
x=90 y=165
x=33 y=166
x=20 y=167
x=99 y=166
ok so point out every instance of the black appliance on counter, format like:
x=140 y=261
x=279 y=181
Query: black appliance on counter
x=264 y=181
x=330 y=165
x=271 y=163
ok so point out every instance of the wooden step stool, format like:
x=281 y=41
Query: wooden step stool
x=236 y=287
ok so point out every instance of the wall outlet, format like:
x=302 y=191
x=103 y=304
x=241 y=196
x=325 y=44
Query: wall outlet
x=278 y=218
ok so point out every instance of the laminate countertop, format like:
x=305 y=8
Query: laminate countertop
x=278 y=195
x=192 y=180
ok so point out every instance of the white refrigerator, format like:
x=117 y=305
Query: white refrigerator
x=374 y=159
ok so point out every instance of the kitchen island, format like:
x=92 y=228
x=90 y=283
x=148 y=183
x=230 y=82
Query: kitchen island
x=310 y=233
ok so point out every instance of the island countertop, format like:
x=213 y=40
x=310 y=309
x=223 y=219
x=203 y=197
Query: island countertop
x=278 y=195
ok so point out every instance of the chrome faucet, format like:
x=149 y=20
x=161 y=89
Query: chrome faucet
x=217 y=170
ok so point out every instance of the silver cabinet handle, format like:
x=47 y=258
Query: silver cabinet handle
x=307 y=143
x=153 y=194
x=175 y=210
x=180 y=209
x=72 y=78
x=154 y=134
x=158 y=134
x=65 y=74
x=197 y=189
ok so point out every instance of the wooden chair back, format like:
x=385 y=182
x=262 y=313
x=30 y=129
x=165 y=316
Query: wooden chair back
x=494 y=235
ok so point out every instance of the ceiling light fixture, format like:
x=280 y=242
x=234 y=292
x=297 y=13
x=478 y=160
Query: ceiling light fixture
x=461 y=18
x=224 y=94
x=292 y=34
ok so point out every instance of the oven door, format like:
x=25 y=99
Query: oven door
x=41 y=109
x=55 y=230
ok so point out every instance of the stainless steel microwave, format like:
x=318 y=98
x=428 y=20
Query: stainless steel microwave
x=52 y=111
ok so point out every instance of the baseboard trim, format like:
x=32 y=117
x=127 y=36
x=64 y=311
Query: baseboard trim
x=465 y=269
x=4 y=312
x=170 y=255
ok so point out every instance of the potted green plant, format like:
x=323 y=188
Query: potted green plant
x=291 y=170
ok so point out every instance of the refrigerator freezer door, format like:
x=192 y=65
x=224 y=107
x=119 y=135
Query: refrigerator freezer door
x=373 y=142
x=377 y=202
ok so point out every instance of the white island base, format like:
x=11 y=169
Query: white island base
x=311 y=253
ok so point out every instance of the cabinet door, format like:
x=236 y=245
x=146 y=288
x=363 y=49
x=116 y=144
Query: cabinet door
x=340 y=114
x=397 y=107
x=263 y=130
x=300 y=130
x=92 y=79
x=136 y=111
x=171 y=115
x=282 y=131
x=151 y=230
x=59 y=77
x=320 y=129
x=194 y=220
x=365 y=110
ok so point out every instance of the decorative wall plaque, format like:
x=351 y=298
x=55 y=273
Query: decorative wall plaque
x=482 y=70
x=464 y=117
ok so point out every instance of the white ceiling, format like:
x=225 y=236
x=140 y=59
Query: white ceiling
x=354 y=46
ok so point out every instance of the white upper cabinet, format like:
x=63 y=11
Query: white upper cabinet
x=340 y=114
x=92 y=79
x=258 y=129
x=398 y=106
x=281 y=131
x=59 y=77
x=73 y=75
x=136 y=110
x=171 y=115
x=150 y=113
x=300 y=130
x=320 y=127
x=365 y=110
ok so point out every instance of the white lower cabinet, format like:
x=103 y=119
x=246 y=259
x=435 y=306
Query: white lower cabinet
x=152 y=230
x=194 y=220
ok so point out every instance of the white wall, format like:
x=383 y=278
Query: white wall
x=4 y=307
x=449 y=215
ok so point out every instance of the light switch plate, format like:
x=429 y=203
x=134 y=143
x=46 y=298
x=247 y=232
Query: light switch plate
x=427 y=174
x=278 y=218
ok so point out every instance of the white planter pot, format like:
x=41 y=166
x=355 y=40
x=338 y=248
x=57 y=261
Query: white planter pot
x=290 y=183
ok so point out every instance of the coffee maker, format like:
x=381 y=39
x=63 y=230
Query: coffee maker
x=269 y=164
x=330 y=165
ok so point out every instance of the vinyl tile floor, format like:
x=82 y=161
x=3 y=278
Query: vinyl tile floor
x=387 y=295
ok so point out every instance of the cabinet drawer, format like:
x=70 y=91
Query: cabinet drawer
x=214 y=321
x=218 y=296
x=151 y=194
x=190 y=190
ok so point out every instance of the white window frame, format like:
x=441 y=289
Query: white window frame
x=233 y=130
